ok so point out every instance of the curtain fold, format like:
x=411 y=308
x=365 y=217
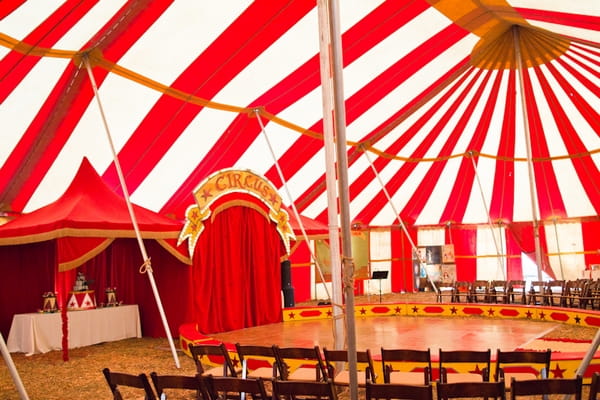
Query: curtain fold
x=522 y=234
x=236 y=274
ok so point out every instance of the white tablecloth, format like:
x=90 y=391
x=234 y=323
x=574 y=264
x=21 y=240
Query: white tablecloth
x=42 y=332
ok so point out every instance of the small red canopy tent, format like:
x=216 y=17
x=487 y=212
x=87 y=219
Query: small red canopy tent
x=89 y=227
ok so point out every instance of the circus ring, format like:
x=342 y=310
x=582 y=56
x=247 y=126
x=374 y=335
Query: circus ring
x=564 y=364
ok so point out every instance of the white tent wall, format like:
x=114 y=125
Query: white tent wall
x=565 y=249
x=380 y=245
x=431 y=237
x=491 y=258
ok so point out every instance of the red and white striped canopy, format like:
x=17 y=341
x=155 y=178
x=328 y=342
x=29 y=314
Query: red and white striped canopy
x=433 y=92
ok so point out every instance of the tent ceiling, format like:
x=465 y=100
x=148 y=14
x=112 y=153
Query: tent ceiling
x=432 y=92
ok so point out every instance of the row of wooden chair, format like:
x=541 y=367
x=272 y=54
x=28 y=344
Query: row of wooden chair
x=579 y=293
x=482 y=291
x=220 y=388
x=398 y=365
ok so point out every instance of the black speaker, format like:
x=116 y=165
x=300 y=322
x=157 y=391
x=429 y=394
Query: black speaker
x=288 y=296
x=286 y=274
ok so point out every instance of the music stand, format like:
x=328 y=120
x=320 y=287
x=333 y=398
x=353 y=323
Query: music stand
x=379 y=275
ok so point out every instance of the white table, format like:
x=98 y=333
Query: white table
x=42 y=332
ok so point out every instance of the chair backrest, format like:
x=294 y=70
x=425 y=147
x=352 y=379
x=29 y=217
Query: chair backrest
x=117 y=379
x=555 y=292
x=392 y=359
x=594 y=386
x=301 y=357
x=498 y=291
x=462 y=291
x=179 y=383
x=480 y=291
x=364 y=362
x=392 y=391
x=229 y=387
x=290 y=390
x=540 y=388
x=471 y=390
x=450 y=358
x=445 y=292
x=535 y=362
x=217 y=353
x=258 y=357
x=516 y=291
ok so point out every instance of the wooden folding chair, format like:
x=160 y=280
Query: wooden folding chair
x=537 y=292
x=290 y=390
x=261 y=361
x=394 y=391
x=594 y=386
x=164 y=384
x=498 y=292
x=229 y=387
x=540 y=388
x=118 y=382
x=449 y=360
x=445 y=292
x=471 y=390
x=480 y=291
x=462 y=292
x=336 y=362
x=300 y=363
x=212 y=353
x=521 y=365
x=516 y=293
x=555 y=291
x=406 y=366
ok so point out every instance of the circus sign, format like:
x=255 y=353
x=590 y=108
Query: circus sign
x=210 y=197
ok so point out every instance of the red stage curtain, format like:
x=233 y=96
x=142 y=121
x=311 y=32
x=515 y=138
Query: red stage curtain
x=464 y=240
x=236 y=272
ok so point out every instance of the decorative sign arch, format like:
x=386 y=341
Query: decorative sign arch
x=228 y=181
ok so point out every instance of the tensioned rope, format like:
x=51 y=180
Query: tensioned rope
x=146 y=266
x=294 y=209
x=487 y=213
x=397 y=214
x=96 y=58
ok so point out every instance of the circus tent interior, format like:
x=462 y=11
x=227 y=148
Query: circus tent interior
x=468 y=123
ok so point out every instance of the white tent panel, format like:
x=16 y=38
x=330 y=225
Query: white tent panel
x=565 y=250
x=491 y=261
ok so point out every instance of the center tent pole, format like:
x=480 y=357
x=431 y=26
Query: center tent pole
x=330 y=176
x=147 y=266
x=339 y=114
x=532 y=185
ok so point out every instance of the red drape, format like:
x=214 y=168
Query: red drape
x=301 y=270
x=118 y=266
x=30 y=270
x=514 y=266
x=27 y=272
x=236 y=273
x=465 y=251
x=522 y=234
x=403 y=273
x=591 y=242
